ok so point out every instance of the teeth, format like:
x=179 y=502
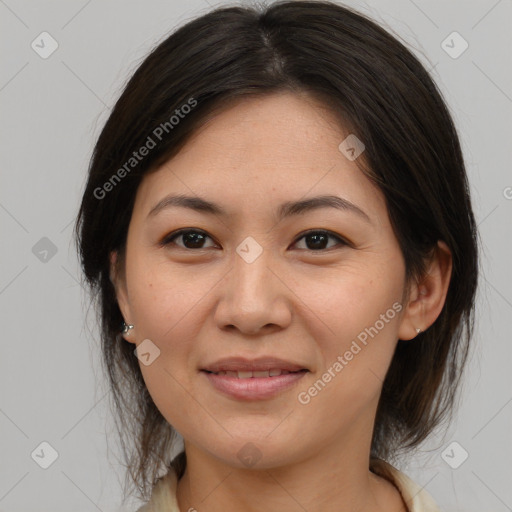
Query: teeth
x=261 y=374
x=249 y=375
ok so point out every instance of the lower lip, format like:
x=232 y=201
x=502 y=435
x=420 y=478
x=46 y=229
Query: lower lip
x=254 y=388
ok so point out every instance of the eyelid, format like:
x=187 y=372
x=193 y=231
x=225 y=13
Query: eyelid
x=169 y=238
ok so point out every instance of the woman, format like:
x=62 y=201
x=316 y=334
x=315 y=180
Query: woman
x=278 y=228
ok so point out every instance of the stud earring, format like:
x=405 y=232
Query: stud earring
x=126 y=328
x=418 y=330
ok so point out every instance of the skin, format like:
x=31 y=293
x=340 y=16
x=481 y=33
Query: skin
x=295 y=302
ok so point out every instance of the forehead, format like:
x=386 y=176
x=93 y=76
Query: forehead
x=261 y=151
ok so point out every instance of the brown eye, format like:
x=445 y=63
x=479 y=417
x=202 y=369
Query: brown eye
x=317 y=240
x=191 y=239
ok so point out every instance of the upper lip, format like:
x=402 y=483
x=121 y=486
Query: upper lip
x=255 y=365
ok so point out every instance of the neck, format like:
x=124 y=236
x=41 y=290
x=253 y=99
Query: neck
x=336 y=479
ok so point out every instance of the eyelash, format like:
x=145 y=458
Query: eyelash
x=169 y=239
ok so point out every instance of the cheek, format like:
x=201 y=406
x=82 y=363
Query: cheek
x=356 y=333
x=169 y=312
x=347 y=302
x=346 y=390
x=165 y=308
x=164 y=298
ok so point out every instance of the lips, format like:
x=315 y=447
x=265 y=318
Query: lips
x=244 y=379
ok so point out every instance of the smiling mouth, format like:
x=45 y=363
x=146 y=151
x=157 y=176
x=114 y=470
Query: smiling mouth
x=253 y=384
x=254 y=374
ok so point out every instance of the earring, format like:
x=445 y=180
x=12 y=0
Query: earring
x=126 y=328
x=418 y=330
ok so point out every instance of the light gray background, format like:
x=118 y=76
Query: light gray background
x=51 y=387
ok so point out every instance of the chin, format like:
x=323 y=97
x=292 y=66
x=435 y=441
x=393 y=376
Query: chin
x=255 y=452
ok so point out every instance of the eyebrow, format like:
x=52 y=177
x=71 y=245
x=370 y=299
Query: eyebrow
x=286 y=209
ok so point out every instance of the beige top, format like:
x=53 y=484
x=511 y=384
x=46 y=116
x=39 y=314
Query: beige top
x=163 y=497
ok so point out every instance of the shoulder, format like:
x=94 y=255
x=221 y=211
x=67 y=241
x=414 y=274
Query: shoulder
x=416 y=498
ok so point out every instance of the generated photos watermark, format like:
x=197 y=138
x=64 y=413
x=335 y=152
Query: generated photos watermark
x=156 y=136
x=305 y=397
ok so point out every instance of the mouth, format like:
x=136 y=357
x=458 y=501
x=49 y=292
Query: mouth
x=274 y=372
x=260 y=367
x=257 y=379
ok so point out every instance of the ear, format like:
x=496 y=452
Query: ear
x=117 y=278
x=427 y=297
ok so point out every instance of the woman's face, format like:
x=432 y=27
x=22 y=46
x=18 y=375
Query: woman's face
x=250 y=283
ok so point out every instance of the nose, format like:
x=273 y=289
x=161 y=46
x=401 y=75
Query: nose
x=254 y=300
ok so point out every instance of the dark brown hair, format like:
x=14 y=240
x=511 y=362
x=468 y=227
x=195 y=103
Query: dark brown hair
x=381 y=93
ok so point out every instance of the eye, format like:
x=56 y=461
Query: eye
x=194 y=239
x=318 y=239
